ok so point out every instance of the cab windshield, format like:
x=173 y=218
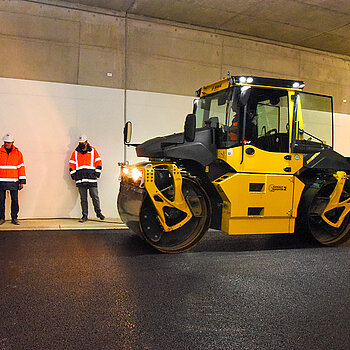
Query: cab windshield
x=213 y=106
x=265 y=123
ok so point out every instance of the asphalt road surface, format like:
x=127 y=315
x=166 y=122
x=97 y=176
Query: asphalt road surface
x=109 y=290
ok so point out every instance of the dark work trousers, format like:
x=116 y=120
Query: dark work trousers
x=14 y=204
x=94 y=196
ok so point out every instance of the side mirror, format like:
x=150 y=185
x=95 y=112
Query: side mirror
x=190 y=127
x=127 y=132
x=195 y=105
x=245 y=93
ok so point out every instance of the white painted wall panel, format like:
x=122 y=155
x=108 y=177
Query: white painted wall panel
x=342 y=134
x=155 y=114
x=46 y=120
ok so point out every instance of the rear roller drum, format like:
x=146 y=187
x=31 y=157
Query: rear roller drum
x=313 y=203
x=185 y=237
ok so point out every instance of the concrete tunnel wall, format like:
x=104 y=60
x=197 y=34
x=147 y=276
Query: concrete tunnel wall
x=54 y=85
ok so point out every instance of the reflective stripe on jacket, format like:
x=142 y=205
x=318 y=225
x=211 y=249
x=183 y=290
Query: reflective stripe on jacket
x=12 y=170
x=85 y=167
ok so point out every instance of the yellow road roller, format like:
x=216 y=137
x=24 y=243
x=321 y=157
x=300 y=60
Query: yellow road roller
x=256 y=157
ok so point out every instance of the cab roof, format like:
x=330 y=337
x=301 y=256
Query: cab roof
x=241 y=80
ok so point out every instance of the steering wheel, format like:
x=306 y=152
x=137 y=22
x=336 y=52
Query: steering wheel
x=270 y=132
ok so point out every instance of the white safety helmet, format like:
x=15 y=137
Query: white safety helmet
x=82 y=138
x=8 y=138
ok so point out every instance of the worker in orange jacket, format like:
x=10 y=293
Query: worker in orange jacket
x=85 y=166
x=12 y=177
x=233 y=130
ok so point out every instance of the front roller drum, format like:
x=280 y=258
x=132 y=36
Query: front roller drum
x=129 y=205
x=313 y=204
x=186 y=236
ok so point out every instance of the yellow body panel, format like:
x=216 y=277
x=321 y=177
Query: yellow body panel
x=261 y=161
x=298 y=189
x=258 y=203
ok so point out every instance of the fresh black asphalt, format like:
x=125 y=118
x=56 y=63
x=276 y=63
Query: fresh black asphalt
x=108 y=290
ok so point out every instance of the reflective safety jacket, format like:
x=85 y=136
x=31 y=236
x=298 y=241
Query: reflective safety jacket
x=12 y=171
x=85 y=166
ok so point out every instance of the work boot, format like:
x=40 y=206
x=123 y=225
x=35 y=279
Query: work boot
x=15 y=222
x=83 y=219
x=100 y=216
x=2 y=221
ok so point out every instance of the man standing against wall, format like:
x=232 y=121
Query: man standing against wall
x=85 y=168
x=12 y=177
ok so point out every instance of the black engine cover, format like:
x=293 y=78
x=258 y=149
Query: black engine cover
x=201 y=150
x=327 y=159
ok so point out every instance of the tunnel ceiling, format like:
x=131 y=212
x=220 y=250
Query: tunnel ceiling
x=318 y=24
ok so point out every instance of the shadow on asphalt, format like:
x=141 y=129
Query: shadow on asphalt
x=129 y=244
x=217 y=241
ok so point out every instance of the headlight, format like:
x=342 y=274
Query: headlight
x=131 y=174
x=136 y=174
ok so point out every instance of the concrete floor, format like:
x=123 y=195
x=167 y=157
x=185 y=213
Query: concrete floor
x=106 y=289
x=62 y=224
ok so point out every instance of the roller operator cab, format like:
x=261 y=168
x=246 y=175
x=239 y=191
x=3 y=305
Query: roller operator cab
x=256 y=156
